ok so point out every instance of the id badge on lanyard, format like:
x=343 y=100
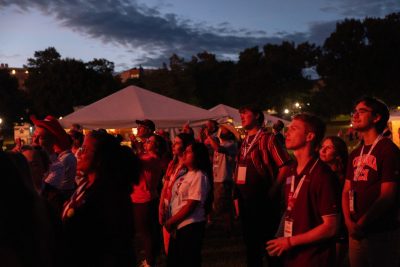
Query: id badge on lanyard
x=241 y=174
x=352 y=201
x=288 y=227
x=292 y=197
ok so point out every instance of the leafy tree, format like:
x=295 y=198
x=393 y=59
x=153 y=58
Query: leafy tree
x=360 y=58
x=42 y=58
x=56 y=85
x=12 y=100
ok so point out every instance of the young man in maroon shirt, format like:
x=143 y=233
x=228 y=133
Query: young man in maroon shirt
x=261 y=159
x=311 y=194
x=370 y=195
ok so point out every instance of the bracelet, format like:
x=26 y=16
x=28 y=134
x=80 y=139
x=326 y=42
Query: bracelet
x=289 y=243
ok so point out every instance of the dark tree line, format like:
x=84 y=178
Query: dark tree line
x=359 y=57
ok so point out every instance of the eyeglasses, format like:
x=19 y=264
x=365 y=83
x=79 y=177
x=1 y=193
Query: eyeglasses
x=84 y=150
x=360 y=111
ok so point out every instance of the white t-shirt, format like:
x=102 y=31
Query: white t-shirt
x=193 y=185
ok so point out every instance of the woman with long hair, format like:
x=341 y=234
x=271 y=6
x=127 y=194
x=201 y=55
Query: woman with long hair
x=175 y=169
x=190 y=204
x=334 y=152
x=145 y=198
x=97 y=219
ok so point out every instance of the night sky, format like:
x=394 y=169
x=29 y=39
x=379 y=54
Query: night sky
x=131 y=33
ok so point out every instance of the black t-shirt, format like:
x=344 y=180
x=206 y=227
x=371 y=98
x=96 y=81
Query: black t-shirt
x=382 y=165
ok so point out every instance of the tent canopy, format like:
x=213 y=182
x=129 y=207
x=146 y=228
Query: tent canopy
x=123 y=108
x=224 y=112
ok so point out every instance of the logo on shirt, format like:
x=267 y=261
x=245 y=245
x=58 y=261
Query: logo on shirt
x=365 y=161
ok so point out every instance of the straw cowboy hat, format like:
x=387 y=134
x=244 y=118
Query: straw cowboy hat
x=232 y=129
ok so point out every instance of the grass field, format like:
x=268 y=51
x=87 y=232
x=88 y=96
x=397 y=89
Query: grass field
x=220 y=250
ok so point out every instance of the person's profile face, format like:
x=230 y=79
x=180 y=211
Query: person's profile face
x=41 y=137
x=363 y=117
x=188 y=157
x=86 y=155
x=150 y=144
x=143 y=131
x=249 y=119
x=327 y=152
x=177 y=147
x=296 y=135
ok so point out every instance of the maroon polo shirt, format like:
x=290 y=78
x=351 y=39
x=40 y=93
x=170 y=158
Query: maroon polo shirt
x=382 y=165
x=317 y=197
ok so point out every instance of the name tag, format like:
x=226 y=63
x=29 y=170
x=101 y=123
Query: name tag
x=288 y=228
x=351 y=201
x=241 y=175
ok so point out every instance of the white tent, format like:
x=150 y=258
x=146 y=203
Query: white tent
x=226 y=112
x=121 y=109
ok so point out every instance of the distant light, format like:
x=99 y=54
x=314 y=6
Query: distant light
x=297 y=104
x=13 y=72
x=351 y=125
x=286 y=111
x=60 y=118
x=30 y=128
x=1 y=120
x=308 y=104
x=21 y=118
x=26 y=72
x=134 y=131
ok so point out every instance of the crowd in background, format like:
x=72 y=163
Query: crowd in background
x=71 y=199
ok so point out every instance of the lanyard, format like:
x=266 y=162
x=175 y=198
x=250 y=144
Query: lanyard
x=295 y=192
x=247 y=149
x=361 y=161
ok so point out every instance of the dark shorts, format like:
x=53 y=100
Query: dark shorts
x=223 y=200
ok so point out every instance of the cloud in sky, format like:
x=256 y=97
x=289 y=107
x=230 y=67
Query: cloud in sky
x=138 y=27
x=362 y=8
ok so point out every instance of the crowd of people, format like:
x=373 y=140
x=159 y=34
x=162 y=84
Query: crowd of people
x=71 y=199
